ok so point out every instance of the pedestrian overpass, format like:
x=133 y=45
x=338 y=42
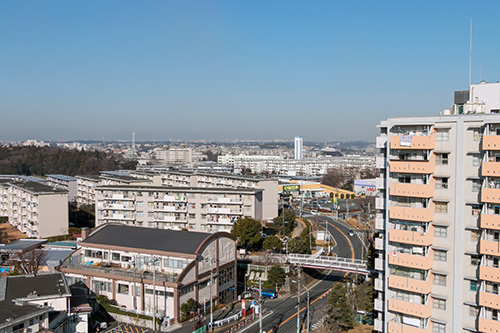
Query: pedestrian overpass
x=349 y=265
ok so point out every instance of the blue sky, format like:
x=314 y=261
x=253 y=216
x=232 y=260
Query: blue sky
x=222 y=70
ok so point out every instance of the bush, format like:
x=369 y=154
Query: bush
x=103 y=299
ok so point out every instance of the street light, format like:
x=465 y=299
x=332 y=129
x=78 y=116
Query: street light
x=308 y=309
x=153 y=262
x=133 y=262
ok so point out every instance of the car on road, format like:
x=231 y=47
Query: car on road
x=314 y=212
x=269 y=293
x=351 y=232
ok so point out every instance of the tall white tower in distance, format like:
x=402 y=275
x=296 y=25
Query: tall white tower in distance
x=298 y=145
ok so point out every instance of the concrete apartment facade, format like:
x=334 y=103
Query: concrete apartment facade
x=36 y=209
x=118 y=261
x=67 y=183
x=438 y=221
x=192 y=208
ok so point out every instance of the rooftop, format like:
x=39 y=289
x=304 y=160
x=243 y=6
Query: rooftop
x=62 y=177
x=36 y=188
x=32 y=286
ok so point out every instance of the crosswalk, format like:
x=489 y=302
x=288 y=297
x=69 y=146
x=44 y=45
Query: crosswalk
x=128 y=328
x=318 y=324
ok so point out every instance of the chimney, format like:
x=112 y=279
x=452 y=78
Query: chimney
x=85 y=233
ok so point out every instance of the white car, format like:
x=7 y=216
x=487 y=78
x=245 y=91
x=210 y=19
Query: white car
x=314 y=212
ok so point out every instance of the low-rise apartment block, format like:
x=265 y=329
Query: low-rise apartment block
x=438 y=219
x=36 y=209
x=119 y=261
x=192 y=208
x=67 y=183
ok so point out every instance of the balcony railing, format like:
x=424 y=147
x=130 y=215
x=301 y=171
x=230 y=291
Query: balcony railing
x=408 y=284
x=488 y=325
x=489 y=273
x=412 y=260
x=489 y=300
x=412 y=309
x=412 y=237
x=412 y=214
x=412 y=190
x=394 y=327
x=422 y=167
x=491 y=169
x=490 y=221
x=417 y=142
x=490 y=195
x=491 y=142
x=489 y=247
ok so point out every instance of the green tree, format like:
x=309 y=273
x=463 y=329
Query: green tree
x=340 y=309
x=190 y=306
x=299 y=245
x=272 y=243
x=285 y=222
x=248 y=231
x=275 y=277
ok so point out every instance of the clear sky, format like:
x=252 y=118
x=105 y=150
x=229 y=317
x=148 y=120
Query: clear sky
x=324 y=70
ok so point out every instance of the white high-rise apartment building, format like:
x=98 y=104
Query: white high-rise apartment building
x=298 y=147
x=438 y=219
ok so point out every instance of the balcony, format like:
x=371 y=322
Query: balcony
x=417 y=142
x=490 y=221
x=378 y=304
x=394 y=327
x=491 y=142
x=378 y=325
x=379 y=264
x=412 y=190
x=379 y=244
x=379 y=203
x=379 y=223
x=379 y=284
x=379 y=183
x=174 y=198
x=380 y=162
x=408 y=284
x=489 y=273
x=489 y=247
x=488 y=325
x=425 y=167
x=380 y=141
x=412 y=260
x=412 y=214
x=412 y=237
x=412 y=309
x=490 y=195
x=171 y=209
x=491 y=169
x=489 y=300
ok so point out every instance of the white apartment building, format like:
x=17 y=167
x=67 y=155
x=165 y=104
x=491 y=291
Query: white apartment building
x=175 y=156
x=85 y=194
x=192 y=208
x=298 y=145
x=438 y=220
x=36 y=209
x=67 y=183
x=118 y=261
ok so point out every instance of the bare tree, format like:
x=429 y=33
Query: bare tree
x=30 y=262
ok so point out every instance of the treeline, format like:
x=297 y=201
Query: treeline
x=40 y=161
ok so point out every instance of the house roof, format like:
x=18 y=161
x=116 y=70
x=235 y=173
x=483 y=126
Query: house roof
x=163 y=240
x=27 y=286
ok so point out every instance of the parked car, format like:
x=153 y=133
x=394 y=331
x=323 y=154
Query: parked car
x=351 y=232
x=314 y=212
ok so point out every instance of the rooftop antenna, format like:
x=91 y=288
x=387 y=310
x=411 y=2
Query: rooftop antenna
x=470 y=51
x=133 y=142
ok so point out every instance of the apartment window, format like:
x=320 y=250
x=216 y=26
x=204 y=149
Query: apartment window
x=140 y=214
x=438 y=328
x=442 y=134
x=115 y=256
x=475 y=235
x=473 y=286
x=440 y=280
x=476 y=210
x=476 y=185
x=473 y=311
x=477 y=134
x=439 y=304
x=439 y=255
x=440 y=232
x=441 y=183
x=442 y=158
x=441 y=207
x=140 y=204
x=123 y=289
x=192 y=216
x=475 y=260
x=150 y=214
x=476 y=160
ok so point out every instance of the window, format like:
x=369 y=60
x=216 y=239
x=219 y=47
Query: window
x=440 y=280
x=441 y=207
x=442 y=158
x=441 y=183
x=140 y=204
x=475 y=235
x=442 y=134
x=475 y=260
x=473 y=311
x=476 y=185
x=192 y=215
x=440 y=232
x=473 y=286
x=476 y=210
x=476 y=160
x=150 y=214
x=439 y=255
x=439 y=304
x=115 y=256
x=140 y=214
x=438 y=328
x=123 y=289
x=477 y=134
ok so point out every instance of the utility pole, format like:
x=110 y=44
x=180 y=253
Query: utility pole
x=211 y=297
x=154 y=293
x=134 y=291
x=308 y=315
x=298 y=301
x=260 y=306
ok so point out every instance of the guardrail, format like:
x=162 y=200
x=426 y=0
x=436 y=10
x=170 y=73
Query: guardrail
x=328 y=262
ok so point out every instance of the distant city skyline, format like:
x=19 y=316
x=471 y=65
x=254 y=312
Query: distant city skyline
x=225 y=70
